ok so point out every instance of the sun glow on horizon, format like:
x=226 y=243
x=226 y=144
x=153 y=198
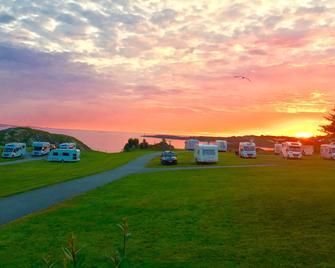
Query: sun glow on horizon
x=303 y=134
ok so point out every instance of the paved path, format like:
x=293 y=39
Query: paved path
x=19 y=205
x=27 y=158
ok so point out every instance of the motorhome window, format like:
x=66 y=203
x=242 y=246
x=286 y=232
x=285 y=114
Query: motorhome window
x=332 y=150
x=55 y=153
x=249 y=148
x=295 y=149
x=37 y=148
x=208 y=152
x=8 y=150
x=66 y=154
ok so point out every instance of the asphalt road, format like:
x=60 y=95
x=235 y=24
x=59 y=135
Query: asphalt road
x=27 y=158
x=19 y=205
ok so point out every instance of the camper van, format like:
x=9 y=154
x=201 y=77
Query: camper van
x=14 y=149
x=278 y=148
x=327 y=151
x=206 y=153
x=64 y=155
x=40 y=148
x=190 y=144
x=308 y=150
x=67 y=145
x=292 y=150
x=247 y=150
x=222 y=145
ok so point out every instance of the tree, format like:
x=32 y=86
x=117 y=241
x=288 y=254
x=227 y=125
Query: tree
x=131 y=145
x=330 y=128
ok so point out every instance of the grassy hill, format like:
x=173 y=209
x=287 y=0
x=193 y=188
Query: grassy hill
x=29 y=135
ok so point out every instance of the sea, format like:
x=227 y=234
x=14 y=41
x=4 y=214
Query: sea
x=108 y=141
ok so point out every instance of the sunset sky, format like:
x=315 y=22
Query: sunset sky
x=168 y=66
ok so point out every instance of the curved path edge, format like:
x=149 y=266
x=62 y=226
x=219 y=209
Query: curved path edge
x=22 y=204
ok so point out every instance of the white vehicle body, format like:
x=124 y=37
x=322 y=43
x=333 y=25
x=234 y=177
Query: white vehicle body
x=67 y=145
x=308 y=150
x=40 y=148
x=190 y=144
x=292 y=150
x=64 y=155
x=327 y=151
x=222 y=145
x=278 y=148
x=247 y=150
x=14 y=149
x=206 y=153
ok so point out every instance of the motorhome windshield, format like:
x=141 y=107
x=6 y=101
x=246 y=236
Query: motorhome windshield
x=249 y=148
x=37 y=148
x=208 y=152
x=8 y=150
x=295 y=149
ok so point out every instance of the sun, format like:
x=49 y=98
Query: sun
x=303 y=135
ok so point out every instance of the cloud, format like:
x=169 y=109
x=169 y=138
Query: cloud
x=5 y=18
x=164 y=16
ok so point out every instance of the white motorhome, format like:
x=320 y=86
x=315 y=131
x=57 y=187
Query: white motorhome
x=327 y=151
x=292 y=150
x=308 y=150
x=14 y=149
x=40 y=148
x=278 y=148
x=206 y=153
x=222 y=145
x=67 y=145
x=64 y=155
x=190 y=144
x=247 y=150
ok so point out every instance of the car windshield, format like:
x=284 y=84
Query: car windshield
x=249 y=148
x=169 y=154
x=8 y=150
x=295 y=149
x=208 y=152
x=37 y=148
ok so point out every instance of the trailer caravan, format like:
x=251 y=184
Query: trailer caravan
x=292 y=150
x=327 y=151
x=190 y=144
x=222 y=145
x=206 y=153
x=278 y=148
x=308 y=150
x=14 y=149
x=64 y=155
x=67 y=145
x=247 y=150
x=40 y=148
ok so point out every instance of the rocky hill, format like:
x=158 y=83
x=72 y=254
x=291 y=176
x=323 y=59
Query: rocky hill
x=29 y=135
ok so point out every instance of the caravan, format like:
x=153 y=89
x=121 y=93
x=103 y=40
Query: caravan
x=206 y=153
x=14 y=149
x=247 y=150
x=64 y=155
x=292 y=150
x=222 y=145
x=278 y=148
x=40 y=148
x=190 y=144
x=327 y=151
x=67 y=145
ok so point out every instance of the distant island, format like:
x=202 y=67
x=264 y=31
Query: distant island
x=29 y=135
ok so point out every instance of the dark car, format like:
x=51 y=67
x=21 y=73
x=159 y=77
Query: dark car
x=169 y=158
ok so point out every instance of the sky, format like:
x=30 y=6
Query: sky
x=168 y=66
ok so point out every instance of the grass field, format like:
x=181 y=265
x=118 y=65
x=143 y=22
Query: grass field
x=26 y=176
x=280 y=216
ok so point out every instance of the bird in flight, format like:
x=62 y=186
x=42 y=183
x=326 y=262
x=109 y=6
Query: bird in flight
x=242 y=77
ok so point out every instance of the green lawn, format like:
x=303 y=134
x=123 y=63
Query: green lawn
x=187 y=159
x=27 y=176
x=280 y=216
